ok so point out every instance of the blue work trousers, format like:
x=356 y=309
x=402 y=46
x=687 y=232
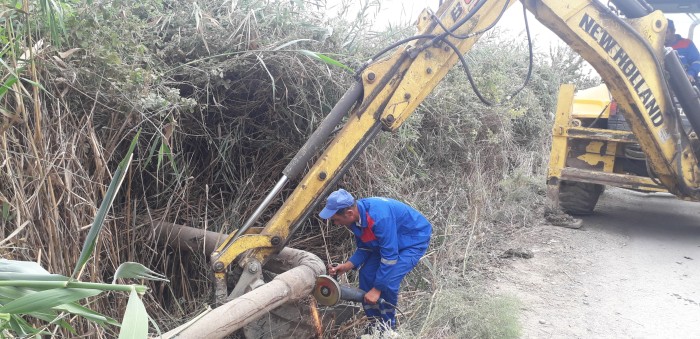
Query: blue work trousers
x=408 y=259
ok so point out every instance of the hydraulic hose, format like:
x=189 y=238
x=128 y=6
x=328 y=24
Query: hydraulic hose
x=633 y=8
x=298 y=163
x=319 y=137
x=683 y=89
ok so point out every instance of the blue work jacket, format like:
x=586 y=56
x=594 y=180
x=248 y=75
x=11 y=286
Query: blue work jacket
x=689 y=55
x=386 y=227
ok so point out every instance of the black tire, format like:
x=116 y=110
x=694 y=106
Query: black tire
x=579 y=198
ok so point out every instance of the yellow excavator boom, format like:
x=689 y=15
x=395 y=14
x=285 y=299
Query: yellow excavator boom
x=628 y=53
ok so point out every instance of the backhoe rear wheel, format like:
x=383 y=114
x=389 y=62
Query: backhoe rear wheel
x=579 y=198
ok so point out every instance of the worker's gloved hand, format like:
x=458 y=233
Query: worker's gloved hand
x=372 y=296
x=339 y=269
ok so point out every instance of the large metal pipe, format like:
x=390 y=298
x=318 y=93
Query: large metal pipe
x=302 y=269
x=188 y=238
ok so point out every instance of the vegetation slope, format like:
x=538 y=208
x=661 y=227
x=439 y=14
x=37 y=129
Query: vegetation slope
x=225 y=93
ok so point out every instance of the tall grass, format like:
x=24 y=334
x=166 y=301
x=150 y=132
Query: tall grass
x=29 y=291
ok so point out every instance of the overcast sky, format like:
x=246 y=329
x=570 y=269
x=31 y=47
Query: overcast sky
x=399 y=11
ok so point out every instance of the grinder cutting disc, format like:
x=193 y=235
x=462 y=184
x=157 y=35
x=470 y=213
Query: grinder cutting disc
x=327 y=291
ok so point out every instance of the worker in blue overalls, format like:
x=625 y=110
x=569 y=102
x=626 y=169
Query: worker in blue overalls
x=687 y=52
x=391 y=238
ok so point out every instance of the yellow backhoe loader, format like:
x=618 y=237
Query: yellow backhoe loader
x=599 y=138
x=623 y=40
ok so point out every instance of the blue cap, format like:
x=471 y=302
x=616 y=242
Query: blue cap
x=336 y=201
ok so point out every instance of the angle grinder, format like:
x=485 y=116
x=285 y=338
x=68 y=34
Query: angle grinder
x=328 y=292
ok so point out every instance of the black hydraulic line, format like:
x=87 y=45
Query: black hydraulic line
x=651 y=173
x=465 y=19
x=359 y=148
x=455 y=26
x=450 y=31
x=436 y=38
x=466 y=65
x=646 y=5
x=599 y=115
x=633 y=8
x=469 y=73
x=683 y=89
x=531 y=54
x=392 y=46
x=298 y=163
x=319 y=137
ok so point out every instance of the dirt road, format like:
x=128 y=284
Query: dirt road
x=631 y=271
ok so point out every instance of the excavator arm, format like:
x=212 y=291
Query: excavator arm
x=387 y=91
x=627 y=53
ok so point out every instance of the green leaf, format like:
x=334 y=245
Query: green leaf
x=172 y=158
x=96 y=227
x=291 y=43
x=160 y=154
x=22 y=328
x=47 y=299
x=9 y=293
x=34 y=83
x=53 y=13
x=326 y=59
x=151 y=152
x=26 y=270
x=65 y=325
x=134 y=270
x=135 y=322
x=86 y=313
x=48 y=316
x=165 y=150
x=31 y=276
x=52 y=317
x=47 y=285
x=4 y=316
x=18 y=266
x=160 y=335
x=6 y=87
